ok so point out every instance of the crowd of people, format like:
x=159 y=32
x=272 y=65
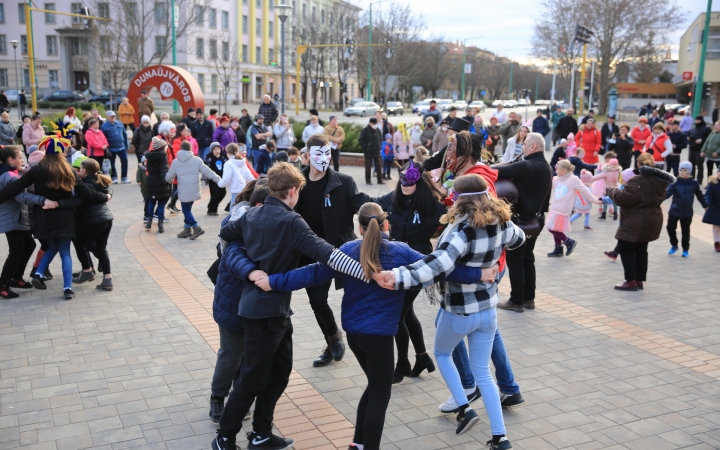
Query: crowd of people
x=482 y=190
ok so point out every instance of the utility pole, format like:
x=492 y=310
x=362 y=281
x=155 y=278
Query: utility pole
x=369 y=79
x=582 y=35
x=537 y=84
x=699 y=85
x=592 y=81
x=552 y=90
x=462 y=77
x=173 y=18
x=510 y=89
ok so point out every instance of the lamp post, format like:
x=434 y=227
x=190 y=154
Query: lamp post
x=462 y=67
x=282 y=11
x=700 y=84
x=17 y=78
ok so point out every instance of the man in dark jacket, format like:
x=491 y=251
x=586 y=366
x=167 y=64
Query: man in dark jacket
x=509 y=129
x=696 y=139
x=609 y=130
x=190 y=118
x=370 y=141
x=268 y=110
x=328 y=203
x=202 y=130
x=433 y=112
x=567 y=125
x=679 y=142
x=533 y=177
x=142 y=137
x=590 y=115
x=540 y=124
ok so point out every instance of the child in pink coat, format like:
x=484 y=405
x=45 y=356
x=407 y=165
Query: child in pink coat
x=571 y=146
x=565 y=188
x=582 y=206
x=609 y=177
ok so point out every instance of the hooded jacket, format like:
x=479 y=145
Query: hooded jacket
x=33 y=136
x=187 y=168
x=699 y=131
x=142 y=138
x=14 y=214
x=157 y=167
x=235 y=175
x=712 y=198
x=7 y=133
x=638 y=135
x=93 y=211
x=590 y=139
x=682 y=192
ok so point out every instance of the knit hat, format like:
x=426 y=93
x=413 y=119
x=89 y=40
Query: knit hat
x=145 y=119
x=191 y=109
x=199 y=111
x=158 y=144
x=562 y=141
x=571 y=137
x=627 y=175
x=388 y=136
x=35 y=157
x=32 y=149
x=281 y=156
x=213 y=145
x=687 y=165
x=586 y=177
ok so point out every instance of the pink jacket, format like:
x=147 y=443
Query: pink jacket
x=608 y=178
x=564 y=192
x=95 y=140
x=32 y=136
x=402 y=150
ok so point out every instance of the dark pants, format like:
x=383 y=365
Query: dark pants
x=229 y=358
x=335 y=153
x=634 y=257
x=123 y=162
x=375 y=356
x=318 y=296
x=711 y=167
x=636 y=154
x=672 y=163
x=697 y=162
x=217 y=194
x=20 y=248
x=387 y=167
x=409 y=328
x=100 y=160
x=684 y=227
x=521 y=264
x=94 y=239
x=130 y=126
x=369 y=161
x=173 y=196
x=264 y=374
x=156 y=207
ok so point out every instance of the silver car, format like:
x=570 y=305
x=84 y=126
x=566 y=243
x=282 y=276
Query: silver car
x=362 y=109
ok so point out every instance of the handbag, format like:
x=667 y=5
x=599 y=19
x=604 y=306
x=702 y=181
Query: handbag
x=532 y=227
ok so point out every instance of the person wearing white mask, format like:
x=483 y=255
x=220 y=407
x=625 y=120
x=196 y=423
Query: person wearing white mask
x=441 y=136
x=416 y=135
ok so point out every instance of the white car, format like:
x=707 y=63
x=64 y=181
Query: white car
x=444 y=104
x=423 y=106
x=478 y=104
x=362 y=109
x=523 y=102
x=510 y=103
x=12 y=94
x=460 y=105
x=495 y=103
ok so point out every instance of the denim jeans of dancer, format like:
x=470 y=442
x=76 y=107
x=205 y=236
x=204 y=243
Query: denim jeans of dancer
x=156 y=208
x=55 y=246
x=190 y=221
x=480 y=330
x=123 y=162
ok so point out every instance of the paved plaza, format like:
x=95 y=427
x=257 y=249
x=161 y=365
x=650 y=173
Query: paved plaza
x=131 y=368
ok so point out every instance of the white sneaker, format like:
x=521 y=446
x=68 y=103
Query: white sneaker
x=450 y=406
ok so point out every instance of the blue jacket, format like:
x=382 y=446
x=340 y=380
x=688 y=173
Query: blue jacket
x=115 y=135
x=580 y=165
x=366 y=307
x=541 y=125
x=682 y=192
x=712 y=197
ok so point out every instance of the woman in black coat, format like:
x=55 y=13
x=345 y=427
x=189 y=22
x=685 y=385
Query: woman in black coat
x=157 y=190
x=624 y=147
x=415 y=209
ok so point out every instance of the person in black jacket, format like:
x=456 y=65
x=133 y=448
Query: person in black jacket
x=567 y=125
x=609 y=131
x=415 y=208
x=216 y=160
x=624 y=144
x=157 y=190
x=533 y=176
x=202 y=130
x=696 y=138
x=679 y=142
x=142 y=137
x=95 y=227
x=328 y=203
x=314 y=112
x=245 y=122
x=190 y=118
x=370 y=141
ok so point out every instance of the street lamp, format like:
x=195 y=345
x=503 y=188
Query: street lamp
x=282 y=11
x=462 y=66
x=17 y=78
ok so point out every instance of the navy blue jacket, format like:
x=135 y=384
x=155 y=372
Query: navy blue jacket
x=580 y=165
x=264 y=162
x=712 y=197
x=682 y=192
x=541 y=125
x=558 y=154
x=679 y=141
x=366 y=307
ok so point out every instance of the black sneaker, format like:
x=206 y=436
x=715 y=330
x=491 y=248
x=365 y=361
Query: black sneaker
x=502 y=445
x=466 y=421
x=510 y=401
x=268 y=441
x=69 y=294
x=48 y=276
x=173 y=209
x=217 y=405
x=7 y=293
x=221 y=443
x=324 y=359
x=20 y=284
x=38 y=282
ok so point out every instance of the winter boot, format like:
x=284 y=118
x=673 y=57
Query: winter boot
x=161 y=227
x=402 y=370
x=422 y=362
x=186 y=232
x=148 y=224
x=570 y=244
x=196 y=233
x=106 y=284
x=603 y=216
x=337 y=346
x=557 y=252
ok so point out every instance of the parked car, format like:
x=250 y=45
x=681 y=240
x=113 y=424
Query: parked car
x=362 y=109
x=355 y=101
x=495 y=103
x=460 y=105
x=423 y=106
x=523 y=102
x=394 y=108
x=444 y=104
x=11 y=94
x=674 y=106
x=478 y=104
x=510 y=103
x=113 y=103
x=107 y=95
x=64 y=96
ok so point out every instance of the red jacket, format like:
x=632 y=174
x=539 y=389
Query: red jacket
x=95 y=140
x=658 y=147
x=640 y=135
x=590 y=139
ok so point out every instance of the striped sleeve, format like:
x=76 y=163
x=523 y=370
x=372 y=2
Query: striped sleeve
x=340 y=262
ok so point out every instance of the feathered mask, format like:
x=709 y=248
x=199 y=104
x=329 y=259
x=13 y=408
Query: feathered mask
x=58 y=142
x=411 y=176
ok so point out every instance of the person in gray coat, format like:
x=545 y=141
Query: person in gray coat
x=187 y=168
x=15 y=223
x=7 y=130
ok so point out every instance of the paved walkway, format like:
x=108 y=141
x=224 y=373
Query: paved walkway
x=131 y=368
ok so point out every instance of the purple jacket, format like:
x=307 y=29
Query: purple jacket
x=224 y=136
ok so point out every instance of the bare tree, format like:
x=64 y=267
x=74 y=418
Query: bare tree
x=341 y=30
x=433 y=73
x=498 y=75
x=313 y=63
x=224 y=62
x=647 y=60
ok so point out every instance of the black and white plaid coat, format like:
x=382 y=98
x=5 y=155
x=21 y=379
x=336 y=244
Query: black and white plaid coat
x=462 y=244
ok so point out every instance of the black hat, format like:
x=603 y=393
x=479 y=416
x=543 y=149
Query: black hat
x=433 y=101
x=611 y=117
x=373 y=120
x=460 y=125
x=591 y=111
x=313 y=112
x=539 y=110
x=281 y=156
x=199 y=111
x=191 y=109
x=700 y=118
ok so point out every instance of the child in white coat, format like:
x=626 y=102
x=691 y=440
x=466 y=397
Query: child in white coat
x=235 y=173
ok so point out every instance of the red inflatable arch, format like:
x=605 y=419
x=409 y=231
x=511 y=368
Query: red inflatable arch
x=172 y=82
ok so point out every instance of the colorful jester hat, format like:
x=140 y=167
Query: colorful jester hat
x=411 y=175
x=60 y=140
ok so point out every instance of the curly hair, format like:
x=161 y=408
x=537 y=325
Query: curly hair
x=480 y=209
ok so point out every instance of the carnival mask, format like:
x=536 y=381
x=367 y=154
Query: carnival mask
x=451 y=155
x=320 y=157
x=411 y=176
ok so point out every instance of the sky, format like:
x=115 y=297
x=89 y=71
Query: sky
x=504 y=27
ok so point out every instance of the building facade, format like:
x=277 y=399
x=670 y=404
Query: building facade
x=689 y=58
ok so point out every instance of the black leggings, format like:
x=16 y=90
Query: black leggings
x=94 y=240
x=375 y=355
x=634 y=257
x=21 y=246
x=217 y=194
x=710 y=166
x=318 y=296
x=409 y=328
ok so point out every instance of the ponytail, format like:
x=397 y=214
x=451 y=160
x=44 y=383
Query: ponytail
x=371 y=218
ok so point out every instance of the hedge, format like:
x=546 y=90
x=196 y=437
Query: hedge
x=350 y=144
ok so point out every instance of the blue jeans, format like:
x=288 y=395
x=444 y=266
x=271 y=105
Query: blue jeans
x=55 y=246
x=156 y=207
x=187 y=212
x=255 y=153
x=204 y=152
x=480 y=328
x=123 y=161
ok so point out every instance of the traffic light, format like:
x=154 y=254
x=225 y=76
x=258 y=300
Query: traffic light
x=583 y=35
x=706 y=90
x=351 y=43
x=85 y=11
x=389 y=44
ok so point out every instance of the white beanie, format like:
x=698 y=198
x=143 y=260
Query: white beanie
x=145 y=119
x=687 y=165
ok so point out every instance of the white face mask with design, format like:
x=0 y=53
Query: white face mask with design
x=320 y=157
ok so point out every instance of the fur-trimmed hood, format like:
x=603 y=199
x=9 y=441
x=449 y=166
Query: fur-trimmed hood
x=653 y=172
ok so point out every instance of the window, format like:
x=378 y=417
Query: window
x=200 y=47
x=103 y=10
x=74 y=8
x=26 y=77
x=23 y=44
x=213 y=84
x=50 y=17
x=272 y=30
x=226 y=51
x=132 y=47
x=212 y=17
x=244 y=53
x=199 y=15
x=213 y=49
x=160 y=44
x=258 y=55
x=201 y=81
x=80 y=47
x=225 y=20
x=54 y=78
x=3 y=44
x=258 y=3
x=270 y=3
x=713 y=45
x=105 y=44
x=258 y=27
x=130 y=12
x=314 y=10
x=4 y=81
x=245 y=24
x=51 y=44
x=161 y=13
x=2 y=12
x=21 y=12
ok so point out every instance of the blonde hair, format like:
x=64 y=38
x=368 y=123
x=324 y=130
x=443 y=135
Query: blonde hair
x=565 y=164
x=5 y=115
x=646 y=159
x=282 y=177
x=371 y=218
x=479 y=210
x=232 y=149
x=421 y=154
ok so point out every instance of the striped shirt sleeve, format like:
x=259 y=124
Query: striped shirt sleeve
x=340 y=262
